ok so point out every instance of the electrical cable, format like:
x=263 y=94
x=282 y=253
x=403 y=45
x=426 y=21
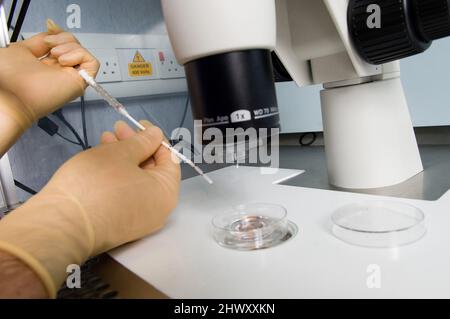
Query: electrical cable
x=21 y=35
x=186 y=108
x=51 y=128
x=183 y=119
x=63 y=120
x=83 y=120
x=68 y=139
x=24 y=188
x=20 y=20
x=11 y=13
x=153 y=120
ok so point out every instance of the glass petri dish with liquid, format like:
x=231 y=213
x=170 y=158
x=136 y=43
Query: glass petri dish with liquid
x=253 y=227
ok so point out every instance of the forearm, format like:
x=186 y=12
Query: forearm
x=48 y=233
x=18 y=281
x=13 y=121
x=10 y=132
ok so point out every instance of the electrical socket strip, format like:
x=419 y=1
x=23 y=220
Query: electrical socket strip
x=133 y=65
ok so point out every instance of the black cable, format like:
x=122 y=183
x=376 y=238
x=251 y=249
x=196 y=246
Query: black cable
x=302 y=138
x=24 y=188
x=20 y=20
x=63 y=120
x=183 y=119
x=11 y=13
x=83 y=120
x=68 y=139
x=51 y=128
x=21 y=35
x=186 y=108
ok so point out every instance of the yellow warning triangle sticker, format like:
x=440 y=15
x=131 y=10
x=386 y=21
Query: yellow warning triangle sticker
x=138 y=58
x=139 y=67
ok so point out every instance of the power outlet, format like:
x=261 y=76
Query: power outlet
x=109 y=65
x=168 y=67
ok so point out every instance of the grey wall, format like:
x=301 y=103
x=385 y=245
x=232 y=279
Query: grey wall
x=99 y=16
x=37 y=155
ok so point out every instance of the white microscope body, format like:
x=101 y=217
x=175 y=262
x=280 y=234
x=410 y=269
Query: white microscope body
x=369 y=136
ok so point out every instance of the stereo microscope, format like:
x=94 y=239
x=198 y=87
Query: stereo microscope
x=234 y=50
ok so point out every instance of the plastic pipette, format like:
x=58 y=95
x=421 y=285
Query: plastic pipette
x=122 y=110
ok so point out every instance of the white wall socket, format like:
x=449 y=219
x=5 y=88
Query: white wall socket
x=168 y=67
x=109 y=65
x=107 y=47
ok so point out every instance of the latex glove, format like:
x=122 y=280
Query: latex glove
x=31 y=88
x=115 y=193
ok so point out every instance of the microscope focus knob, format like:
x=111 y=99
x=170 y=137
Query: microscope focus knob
x=433 y=18
x=388 y=30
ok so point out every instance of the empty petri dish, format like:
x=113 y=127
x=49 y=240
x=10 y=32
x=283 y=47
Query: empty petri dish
x=380 y=224
x=253 y=227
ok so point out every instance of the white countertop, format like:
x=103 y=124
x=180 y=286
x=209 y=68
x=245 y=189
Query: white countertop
x=184 y=261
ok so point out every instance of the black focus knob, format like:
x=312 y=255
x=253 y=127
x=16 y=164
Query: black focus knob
x=432 y=18
x=387 y=30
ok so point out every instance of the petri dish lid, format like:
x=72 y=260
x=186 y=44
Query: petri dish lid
x=380 y=224
x=253 y=226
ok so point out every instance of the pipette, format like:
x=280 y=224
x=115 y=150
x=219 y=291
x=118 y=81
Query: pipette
x=122 y=110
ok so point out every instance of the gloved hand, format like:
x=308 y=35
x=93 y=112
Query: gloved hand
x=115 y=193
x=31 y=88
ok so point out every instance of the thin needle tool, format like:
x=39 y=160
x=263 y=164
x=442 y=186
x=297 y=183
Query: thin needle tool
x=122 y=110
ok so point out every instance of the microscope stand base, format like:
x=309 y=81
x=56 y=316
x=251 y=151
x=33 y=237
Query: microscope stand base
x=369 y=136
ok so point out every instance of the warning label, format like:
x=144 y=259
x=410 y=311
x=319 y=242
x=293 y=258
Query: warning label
x=139 y=67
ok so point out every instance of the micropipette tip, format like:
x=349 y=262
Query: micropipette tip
x=188 y=161
x=208 y=179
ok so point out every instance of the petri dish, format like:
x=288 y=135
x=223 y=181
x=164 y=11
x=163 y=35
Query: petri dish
x=379 y=224
x=253 y=227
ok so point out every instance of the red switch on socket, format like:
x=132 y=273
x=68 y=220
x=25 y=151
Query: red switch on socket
x=162 y=58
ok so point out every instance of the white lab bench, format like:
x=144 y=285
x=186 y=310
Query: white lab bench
x=184 y=261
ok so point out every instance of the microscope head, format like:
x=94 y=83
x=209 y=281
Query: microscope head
x=329 y=41
x=225 y=47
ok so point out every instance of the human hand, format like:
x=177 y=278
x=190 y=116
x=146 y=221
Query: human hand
x=127 y=186
x=112 y=194
x=31 y=88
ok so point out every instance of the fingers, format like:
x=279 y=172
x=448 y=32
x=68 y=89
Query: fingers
x=163 y=152
x=143 y=145
x=148 y=156
x=163 y=158
x=146 y=123
x=69 y=52
x=123 y=131
x=53 y=28
x=108 y=138
x=64 y=49
x=80 y=56
x=54 y=40
x=64 y=46
x=37 y=44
